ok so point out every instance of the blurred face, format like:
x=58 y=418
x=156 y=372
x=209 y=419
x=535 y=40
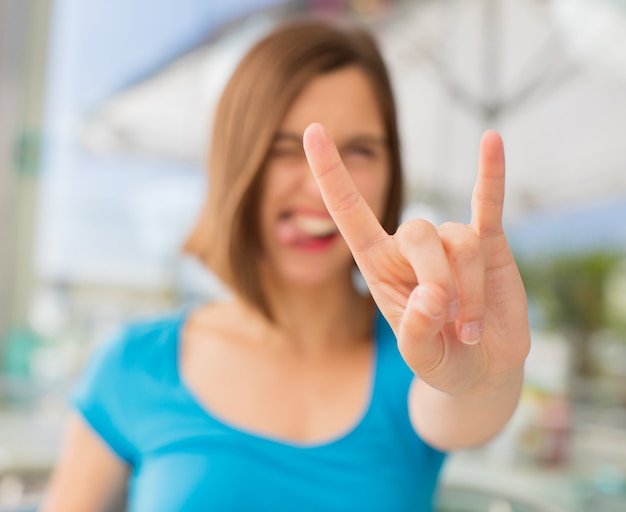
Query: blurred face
x=301 y=242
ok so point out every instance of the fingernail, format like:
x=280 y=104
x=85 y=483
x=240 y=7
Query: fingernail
x=312 y=135
x=319 y=130
x=453 y=310
x=427 y=303
x=470 y=333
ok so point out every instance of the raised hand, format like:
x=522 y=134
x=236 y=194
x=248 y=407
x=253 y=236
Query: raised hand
x=452 y=294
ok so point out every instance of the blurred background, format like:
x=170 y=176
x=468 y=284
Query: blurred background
x=105 y=110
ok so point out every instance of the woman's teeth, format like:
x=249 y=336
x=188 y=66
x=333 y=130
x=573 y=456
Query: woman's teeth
x=315 y=226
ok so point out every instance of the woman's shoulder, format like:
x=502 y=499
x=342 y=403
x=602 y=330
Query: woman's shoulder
x=220 y=322
x=141 y=344
x=138 y=336
x=156 y=329
x=122 y=375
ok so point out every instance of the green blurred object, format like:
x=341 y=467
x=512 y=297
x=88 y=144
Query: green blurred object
x=18 y=347
x=570 y=292
x=28 y=148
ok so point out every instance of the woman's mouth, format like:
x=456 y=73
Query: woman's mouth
x=306 y=231
x=317 y=227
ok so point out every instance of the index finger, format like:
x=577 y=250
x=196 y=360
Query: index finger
x=354 y=218
x=488 y=195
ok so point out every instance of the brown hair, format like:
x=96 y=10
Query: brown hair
x=226 y=236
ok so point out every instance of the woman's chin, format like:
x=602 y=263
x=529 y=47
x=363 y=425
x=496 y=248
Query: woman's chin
x=313 y=277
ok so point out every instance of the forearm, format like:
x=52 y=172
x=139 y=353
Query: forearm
x=451 y=422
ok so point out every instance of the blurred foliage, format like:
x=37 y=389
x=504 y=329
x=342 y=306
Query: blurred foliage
x=569 y=293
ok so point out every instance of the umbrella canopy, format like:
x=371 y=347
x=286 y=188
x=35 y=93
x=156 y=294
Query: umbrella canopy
x=168 y=115
x=463 y=66
x=459 y=67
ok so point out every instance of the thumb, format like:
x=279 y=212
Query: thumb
x=419 y=339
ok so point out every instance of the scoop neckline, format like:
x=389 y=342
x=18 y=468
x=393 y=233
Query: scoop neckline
x=260 y=438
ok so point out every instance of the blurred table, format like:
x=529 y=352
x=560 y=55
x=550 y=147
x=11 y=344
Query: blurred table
x=597 y=487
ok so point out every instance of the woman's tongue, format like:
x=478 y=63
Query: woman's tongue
x=303 y=228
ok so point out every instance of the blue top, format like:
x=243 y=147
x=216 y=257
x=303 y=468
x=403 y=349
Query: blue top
x=185 y=459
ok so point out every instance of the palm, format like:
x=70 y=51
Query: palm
x=437 y=285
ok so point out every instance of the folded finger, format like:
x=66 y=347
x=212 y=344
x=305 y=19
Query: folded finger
x=462 y=247
x=419 y=243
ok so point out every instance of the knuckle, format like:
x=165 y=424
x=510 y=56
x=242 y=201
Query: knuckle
x=448 y=227
x=415 y=231
x=463 y=242
x=346 y=202
x=329 y=169
x=490 y=199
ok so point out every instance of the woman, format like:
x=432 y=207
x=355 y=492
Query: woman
x=294 y=395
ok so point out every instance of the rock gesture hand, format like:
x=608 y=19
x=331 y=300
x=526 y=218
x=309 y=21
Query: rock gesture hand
x=452 y=294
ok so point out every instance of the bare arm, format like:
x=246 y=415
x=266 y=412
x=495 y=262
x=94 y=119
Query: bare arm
x=88 y=476
x=450 y=422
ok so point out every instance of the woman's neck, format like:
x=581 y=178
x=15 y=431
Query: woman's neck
x=317 y=319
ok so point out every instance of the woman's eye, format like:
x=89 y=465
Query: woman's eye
x=285 y=151
x=363 y=151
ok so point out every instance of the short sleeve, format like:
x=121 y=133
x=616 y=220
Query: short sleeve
x=101 y=395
